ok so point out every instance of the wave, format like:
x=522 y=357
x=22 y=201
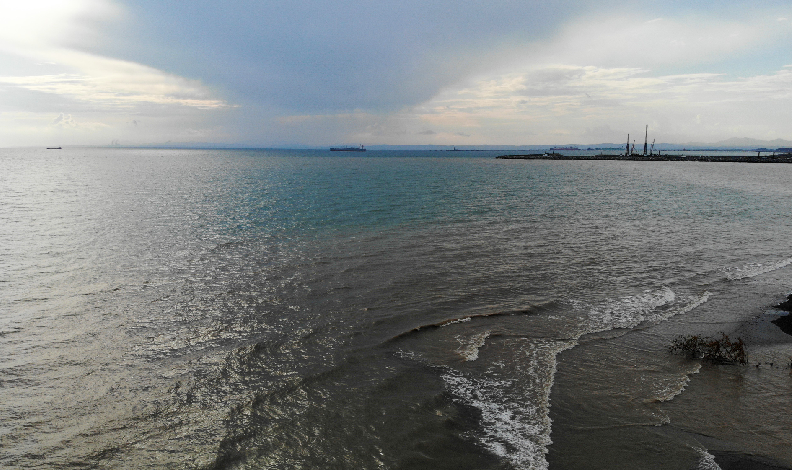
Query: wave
x=646 y=309
x=515 y=421
x=467 y=318
x=513 y=395
x=754 y=269
x=658 y=316
x=707 y=461
x=629 y=311
x=674 y=387
x=469 y=348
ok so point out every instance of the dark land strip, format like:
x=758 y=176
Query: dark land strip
x=781 y=158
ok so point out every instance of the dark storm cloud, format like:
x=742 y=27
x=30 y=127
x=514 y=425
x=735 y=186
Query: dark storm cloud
x=310 y=56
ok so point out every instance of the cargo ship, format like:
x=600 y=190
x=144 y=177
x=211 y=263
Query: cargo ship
x=348 y=149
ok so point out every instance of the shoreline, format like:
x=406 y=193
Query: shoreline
x=727 y=460
x=782 y=158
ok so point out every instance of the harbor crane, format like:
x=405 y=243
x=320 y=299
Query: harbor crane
x=646 y=139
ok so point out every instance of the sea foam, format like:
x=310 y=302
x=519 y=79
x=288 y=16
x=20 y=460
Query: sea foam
x=673 y=387
x=629 y=311
x=469 y=346
x=514 y=410
x=754 y=269
x=707 y=461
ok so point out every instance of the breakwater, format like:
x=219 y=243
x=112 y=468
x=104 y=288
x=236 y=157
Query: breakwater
x=781 y=158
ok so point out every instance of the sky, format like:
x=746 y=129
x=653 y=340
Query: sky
x=411 y=72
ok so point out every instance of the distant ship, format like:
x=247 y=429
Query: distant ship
x=54 y=148
x=348 y=149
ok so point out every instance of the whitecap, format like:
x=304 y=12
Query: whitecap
x=707 y=461
x=469 y=346
x=628 y=311
x=754 y=269
x=461 y=320
x=659 y=316
x=673 y=387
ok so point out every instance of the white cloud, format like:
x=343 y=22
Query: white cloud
x=38 y=34
x=616 y=41
x=545 y=99
x=64 y=120
x=32 y=24
x=115 y=83
x=599 y=78
x=600 y=75
x=588 y=76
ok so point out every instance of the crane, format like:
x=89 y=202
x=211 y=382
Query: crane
x=627 y=149
x=646 y=139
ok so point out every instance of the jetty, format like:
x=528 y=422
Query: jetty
x=779 y=158
x=649 y=155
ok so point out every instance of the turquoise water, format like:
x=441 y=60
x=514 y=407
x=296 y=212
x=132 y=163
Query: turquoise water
x=302 y=309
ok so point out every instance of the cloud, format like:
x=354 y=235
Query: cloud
x=355 y=55
x=29 y=24
x=604 y=77
x=315 y=57
x=64 y=120
x=37 y=40
x=112 y=84
x=307 y=71
x=589 y=101
x=613 y=41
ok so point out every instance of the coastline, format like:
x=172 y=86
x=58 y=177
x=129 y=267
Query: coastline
x=782 y=158
x=768 y=346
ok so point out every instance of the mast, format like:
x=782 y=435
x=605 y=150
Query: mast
x=646 y=139
x=651 y=152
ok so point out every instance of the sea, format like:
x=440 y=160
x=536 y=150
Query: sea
x=308 y=309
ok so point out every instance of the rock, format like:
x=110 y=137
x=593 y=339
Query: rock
x=785 y=322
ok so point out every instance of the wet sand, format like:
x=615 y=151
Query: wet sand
x=737 y=461
x=762 y=335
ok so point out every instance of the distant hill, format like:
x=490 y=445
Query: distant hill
x=747 y=142
x=733 y=143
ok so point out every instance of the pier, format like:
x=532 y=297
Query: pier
x=780 y=158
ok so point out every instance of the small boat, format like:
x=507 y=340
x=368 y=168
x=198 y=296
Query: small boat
x=53 y=148
x=348 y=149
